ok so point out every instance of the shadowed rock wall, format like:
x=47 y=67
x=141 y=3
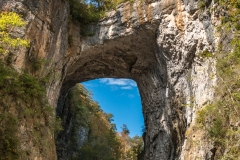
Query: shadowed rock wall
x=155 y=43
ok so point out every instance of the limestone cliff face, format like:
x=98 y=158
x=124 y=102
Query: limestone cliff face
x=158 y=44
x=155 y=43
x=47 y=31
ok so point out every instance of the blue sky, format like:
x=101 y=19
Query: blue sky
x=121 y=98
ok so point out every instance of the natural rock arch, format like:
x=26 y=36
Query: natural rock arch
x=135 y=57
x=159 y=53
x=156 y=43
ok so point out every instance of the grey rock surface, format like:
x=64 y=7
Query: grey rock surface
x=155 y=43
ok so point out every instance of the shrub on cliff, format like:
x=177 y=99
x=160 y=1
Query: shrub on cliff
x=83 y=12
x=91 y=11
x=25 y=115
x=8 y=21
x=23 y=103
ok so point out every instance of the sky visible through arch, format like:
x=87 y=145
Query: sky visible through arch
x=121 y=98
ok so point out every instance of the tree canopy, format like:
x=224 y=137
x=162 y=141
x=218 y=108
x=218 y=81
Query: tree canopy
x=103 y=141
x=88 y=11
x=125 y=129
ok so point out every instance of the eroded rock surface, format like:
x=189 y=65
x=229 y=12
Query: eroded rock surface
x=158 y=46
x=155 y=43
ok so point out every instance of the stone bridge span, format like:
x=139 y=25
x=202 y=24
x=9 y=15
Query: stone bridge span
x=155 y=43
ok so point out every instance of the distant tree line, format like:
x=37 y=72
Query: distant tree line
x=103 y=141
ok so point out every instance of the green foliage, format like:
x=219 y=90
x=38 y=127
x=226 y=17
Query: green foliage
x=206 y=54
x=217 y=128
x=233 y=12
x=98 y=151
x=91 y=11
x=21 y=97
x=9 y=142
x=87 y=152
x=125 y=129
x=9 y=20
x=83 y=12
x=58 y=125
x=201 y=4
x=22 y=86
x=137 y=148
x=201 y=117
x=87 y=12
x=102 y=142
x=23 y=103
x=109 y=117
x=37 y=63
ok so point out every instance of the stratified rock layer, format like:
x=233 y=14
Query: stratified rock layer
x=155 y=43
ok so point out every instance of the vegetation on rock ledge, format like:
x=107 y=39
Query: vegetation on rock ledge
x=23 y=103
x=9 y=21
x=26 y=119
x=91 y=11
x=221 y=119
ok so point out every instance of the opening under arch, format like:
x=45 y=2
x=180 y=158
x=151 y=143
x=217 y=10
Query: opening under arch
x=135 y=57
x=121 y=98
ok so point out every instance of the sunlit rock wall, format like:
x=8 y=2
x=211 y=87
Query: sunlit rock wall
x=156 y=43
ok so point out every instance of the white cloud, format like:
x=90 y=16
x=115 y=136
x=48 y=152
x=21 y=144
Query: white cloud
x=104 y=80
x=90 y=85
x=123 y=83
x=133 y=83
x=127 y=87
